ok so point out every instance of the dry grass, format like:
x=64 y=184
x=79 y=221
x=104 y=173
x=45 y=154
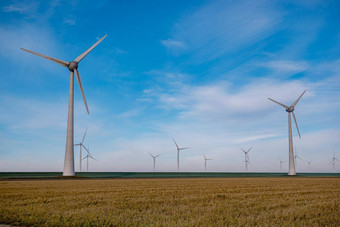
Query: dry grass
x=172 y=202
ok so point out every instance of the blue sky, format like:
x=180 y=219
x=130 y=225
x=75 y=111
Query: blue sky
x=197 y=71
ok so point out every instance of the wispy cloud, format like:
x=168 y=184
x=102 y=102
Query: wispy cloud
x=69 y=21
x=28 y=8
x=219 y=27
x=172 y=44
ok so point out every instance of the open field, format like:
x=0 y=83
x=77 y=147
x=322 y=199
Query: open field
x=171 y=202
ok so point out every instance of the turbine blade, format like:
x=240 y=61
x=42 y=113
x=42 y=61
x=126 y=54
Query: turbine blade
x=249 y=149
x=84 y=136
x=60 y=62
x=92 y=158
x=80 y=57
x=85 y=148
x=204 y=156
x=278 y=103
x=157 y=155
x=297 y=127
x=182 y=148
x=85 y=157
x=151 y=155
x=81 y=89
x=298 y=99
x=243 y=151
x=175 y=143
x=78 y=144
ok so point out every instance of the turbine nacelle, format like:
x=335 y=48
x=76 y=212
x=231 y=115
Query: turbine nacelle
x=290 y=109
x=72 y=66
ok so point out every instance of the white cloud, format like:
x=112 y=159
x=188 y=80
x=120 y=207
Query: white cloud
x=27 y=8
x=286 y=66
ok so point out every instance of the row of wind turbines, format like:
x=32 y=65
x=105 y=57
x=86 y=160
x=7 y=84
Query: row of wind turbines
x=246 y=159
x=72 y=66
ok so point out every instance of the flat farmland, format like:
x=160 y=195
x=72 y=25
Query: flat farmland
x=172 y=202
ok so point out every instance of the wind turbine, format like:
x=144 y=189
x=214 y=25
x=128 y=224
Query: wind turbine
x=281 y=162
x=296 y=156
x=72 y=67
x=290 y=109
x=246 y=157
x=309 y=164
x=87 y=158
x=154 y=160
x=178 y=149
x=205 y=162
x=334 y=159
x=81 y=145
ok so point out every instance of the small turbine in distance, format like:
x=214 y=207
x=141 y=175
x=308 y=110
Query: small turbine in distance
x=154 y=161
x=87 y=158
x=178 y=149
x=281 y=162
x=81 y=145
x=290 y=110
x=296 y=156
x=334 y=160
x=246 y=157
x=205 y=162
x=73 y=68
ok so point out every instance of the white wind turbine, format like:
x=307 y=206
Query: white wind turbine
x=154 y=161
x=178 y=149
x=72 y=67
x=246 y=157
x=87 y=158
x=309 y=164
x=296 y=156
x=334 y=160
x=281 y=162
x=290 y=109
x=205 y=162
x=81 y=145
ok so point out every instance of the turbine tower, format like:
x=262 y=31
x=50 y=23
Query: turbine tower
x=81 y=145
x=246 y=157
x=290 y=110
x=72 y=67
x=178 y=149
x=154 y=161
x=205 y=162
x=87 y=158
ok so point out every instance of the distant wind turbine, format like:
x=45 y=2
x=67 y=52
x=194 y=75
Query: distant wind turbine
x=246 y=157
x=281 y=162
x=290 y=109
x=296 y=156
x=309 y=164
x=178 y=149
x=87 y=158
x=72 y=67
x=334 y=160
x=154 y=160
x=81 y=145
x=205 y=162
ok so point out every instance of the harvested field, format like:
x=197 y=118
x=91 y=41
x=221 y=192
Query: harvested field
x=172 y=202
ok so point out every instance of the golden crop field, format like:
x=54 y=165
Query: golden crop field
x=172 y=202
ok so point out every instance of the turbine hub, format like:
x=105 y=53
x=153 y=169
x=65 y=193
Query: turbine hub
x=73 y=65
x=290 y=109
